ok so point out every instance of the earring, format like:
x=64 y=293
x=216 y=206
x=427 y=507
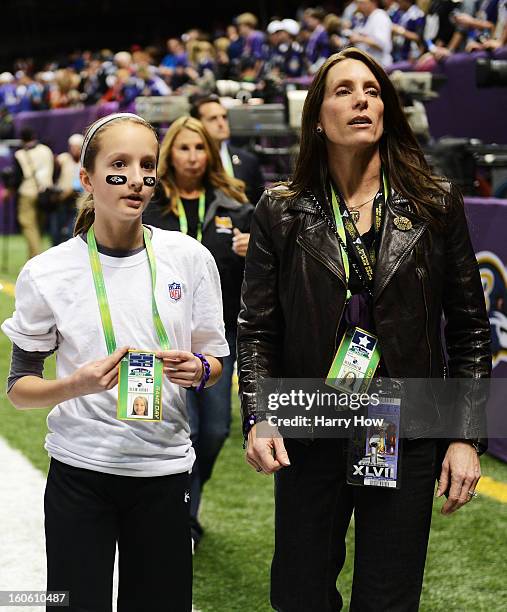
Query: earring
x=319 y=130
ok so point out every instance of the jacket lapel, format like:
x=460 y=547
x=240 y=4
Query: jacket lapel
x=319 y=241
x=322 y=244
x=395 y=243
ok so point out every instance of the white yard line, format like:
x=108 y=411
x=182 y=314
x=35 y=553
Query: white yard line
x=22 y=553
x=22 y=545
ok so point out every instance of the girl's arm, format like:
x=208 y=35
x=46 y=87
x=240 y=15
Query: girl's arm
x=94 y=377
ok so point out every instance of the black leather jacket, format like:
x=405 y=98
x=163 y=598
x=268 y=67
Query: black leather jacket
x=294 y=291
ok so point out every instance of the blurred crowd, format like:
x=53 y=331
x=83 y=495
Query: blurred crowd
x=392 y=31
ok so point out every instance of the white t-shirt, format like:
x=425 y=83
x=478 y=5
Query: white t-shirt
x=378 y=26
x=56 y=305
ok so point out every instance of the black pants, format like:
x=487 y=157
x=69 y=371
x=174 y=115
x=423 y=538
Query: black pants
x=313 y=510
x=87 y=513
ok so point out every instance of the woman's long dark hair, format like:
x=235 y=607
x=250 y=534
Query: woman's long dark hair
x=401 y=156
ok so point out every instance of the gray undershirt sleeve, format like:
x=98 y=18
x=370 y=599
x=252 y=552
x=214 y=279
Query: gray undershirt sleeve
x=26 y=363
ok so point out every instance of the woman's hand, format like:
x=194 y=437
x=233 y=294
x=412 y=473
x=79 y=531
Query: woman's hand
x=182 y=367
x=461 y=471
x=266 y=454
x=97 y=376
x=240 y=242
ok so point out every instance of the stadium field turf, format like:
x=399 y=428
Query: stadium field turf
x=467 y=553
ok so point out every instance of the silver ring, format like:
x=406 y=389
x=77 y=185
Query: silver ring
x=472 y=493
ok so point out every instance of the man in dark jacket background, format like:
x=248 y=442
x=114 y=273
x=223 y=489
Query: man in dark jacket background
x=237 y=162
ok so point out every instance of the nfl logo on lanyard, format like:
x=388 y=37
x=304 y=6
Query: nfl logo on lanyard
x=174 y=291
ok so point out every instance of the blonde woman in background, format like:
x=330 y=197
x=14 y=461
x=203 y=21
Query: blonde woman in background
x=200 y=199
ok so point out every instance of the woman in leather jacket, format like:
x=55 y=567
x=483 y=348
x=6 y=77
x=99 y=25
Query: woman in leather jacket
x=306 y=283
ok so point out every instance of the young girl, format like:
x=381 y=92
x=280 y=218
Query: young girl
x=90 y=299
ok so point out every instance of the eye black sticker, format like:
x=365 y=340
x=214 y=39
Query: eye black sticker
x=149 y=181
x=116 y=179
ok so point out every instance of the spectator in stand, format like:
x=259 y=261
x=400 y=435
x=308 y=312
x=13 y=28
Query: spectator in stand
x=202 y=56
x=334 y=27
x=254 y=40
x=500 y=36
x=140 y=56
x=237 y=43
x=182 y=76
x=407 y=33
x=193 y=35
x=8 y=93
x=393 y=10
x=176 y=51
x=374 y=36
x=237 y=162
x=201 y=69
x=90 y=81
x=61 y=220
x=441 y=34
x=34 y=169
x=223 y=68
x=39 y=92
x=317 y=45
x=65 y=92
x=286 y=55
x=351 y=17
x=481 y=26
x=150 y=82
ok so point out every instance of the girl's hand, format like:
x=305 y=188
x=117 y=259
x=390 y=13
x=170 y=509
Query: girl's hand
x=97 y=376
x=182 y=367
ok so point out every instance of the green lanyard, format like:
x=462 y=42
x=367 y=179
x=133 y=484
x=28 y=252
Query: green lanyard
x=341 y=232
x=367 y=259
x=183 y=217
x=100 y=290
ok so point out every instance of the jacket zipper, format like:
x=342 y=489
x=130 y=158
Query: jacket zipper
x=338 y=325
x=322 y=261
x=421 y=273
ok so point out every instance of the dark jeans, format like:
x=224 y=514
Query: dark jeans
x=60 y=221
x=209 y=413
x=87 y=513
x=313 y=510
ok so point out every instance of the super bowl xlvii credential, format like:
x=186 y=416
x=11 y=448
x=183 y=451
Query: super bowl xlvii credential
x=374 y=453
x=355 y=362
x=139 y=387
x=140 y=374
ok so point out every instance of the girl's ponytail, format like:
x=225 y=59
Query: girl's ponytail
x=85 y=215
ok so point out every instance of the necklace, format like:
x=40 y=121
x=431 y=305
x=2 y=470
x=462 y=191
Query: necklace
x=354 y=210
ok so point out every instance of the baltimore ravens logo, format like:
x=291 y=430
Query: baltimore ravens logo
x=494 y=283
